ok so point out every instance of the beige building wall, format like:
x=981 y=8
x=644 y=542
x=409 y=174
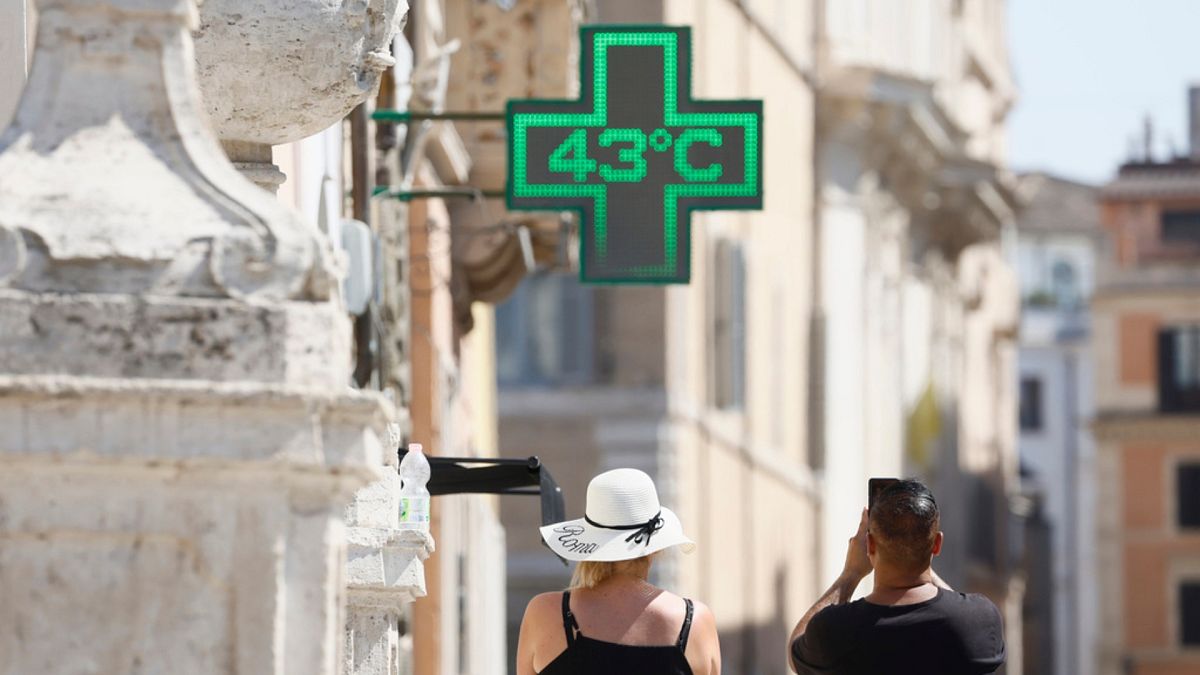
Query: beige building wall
x=732 y=475
x=741 y=473
x=890 y=228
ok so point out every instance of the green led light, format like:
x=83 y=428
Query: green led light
x=660 y=140
x=571 y=157
x=635 y=154
x=684 y=168
x=563 y=155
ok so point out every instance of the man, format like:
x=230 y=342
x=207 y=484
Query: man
x=912 y=622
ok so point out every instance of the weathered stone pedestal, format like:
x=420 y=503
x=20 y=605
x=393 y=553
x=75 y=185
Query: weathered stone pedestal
x=174 y=527
x=178 y=443
x=385 y=571
x=173 y=479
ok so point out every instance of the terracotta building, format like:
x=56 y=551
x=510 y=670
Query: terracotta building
x=1147 y=328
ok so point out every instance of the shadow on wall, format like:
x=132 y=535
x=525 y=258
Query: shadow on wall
x=518 y=597
x=761 y=648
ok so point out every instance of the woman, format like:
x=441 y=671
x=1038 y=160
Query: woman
x=612 y=620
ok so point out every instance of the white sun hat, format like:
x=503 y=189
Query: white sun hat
x=622 y=521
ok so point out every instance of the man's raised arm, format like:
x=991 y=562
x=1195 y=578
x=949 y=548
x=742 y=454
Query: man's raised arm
x=858 y=566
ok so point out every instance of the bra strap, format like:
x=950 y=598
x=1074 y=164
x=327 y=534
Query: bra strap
x=569 y=624
x=687 y=627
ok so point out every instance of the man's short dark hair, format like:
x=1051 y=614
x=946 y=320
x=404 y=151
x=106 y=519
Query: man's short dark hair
x=904 y=521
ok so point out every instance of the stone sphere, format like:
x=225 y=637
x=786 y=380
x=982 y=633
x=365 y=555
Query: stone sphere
x=276 y=71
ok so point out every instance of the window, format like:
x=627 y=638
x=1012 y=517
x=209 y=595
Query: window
x=728 y=326
x=1030 y=404
x=1179 y=369
x=1189 y=613
x=1066 y=284
x=544 y=333
x=1181 y=227
x=1187 y=494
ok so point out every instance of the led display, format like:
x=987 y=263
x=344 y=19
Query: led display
x=634 y=155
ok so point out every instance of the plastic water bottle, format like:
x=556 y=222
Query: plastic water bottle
x=414 y=496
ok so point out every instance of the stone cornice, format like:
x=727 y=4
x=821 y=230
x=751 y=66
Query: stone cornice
x=384 y=567
x=904 y=132
x=1178 y=284
x=1145 y=426
x=200 y=424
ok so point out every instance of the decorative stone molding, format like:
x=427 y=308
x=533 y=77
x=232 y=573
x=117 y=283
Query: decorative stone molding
x=109 y=335
x=384 y=562
x=385 y=567
x=904 y=134
x=384 y=572
x=110 y=181
x=267 y=81
x=292 y=433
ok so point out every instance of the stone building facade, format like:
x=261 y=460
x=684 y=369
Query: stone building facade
x=1146 y=315
x=1058 y=242
x=916 y=310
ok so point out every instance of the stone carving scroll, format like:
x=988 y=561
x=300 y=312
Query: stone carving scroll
x=112 y=182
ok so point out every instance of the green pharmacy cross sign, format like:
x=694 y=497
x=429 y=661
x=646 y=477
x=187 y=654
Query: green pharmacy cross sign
x=635 y=155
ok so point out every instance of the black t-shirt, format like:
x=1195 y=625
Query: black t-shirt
x=950 y=634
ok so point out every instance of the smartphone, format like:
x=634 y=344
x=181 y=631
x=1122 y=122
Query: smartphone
x=875 y=486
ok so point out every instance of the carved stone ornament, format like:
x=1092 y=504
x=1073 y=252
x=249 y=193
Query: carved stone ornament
x=111 y=180
x=277 y=71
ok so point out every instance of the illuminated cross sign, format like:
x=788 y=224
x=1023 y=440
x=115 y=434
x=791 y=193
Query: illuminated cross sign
x=635 y=155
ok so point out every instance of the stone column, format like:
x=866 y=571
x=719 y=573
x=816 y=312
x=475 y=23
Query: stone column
x=177 y=440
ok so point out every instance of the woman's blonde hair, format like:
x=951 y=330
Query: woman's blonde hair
x=590 y=573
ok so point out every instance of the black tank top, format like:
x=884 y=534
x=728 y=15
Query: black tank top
x=585 y=656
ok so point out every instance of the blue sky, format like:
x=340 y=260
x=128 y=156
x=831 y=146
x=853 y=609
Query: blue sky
x=1088 y=71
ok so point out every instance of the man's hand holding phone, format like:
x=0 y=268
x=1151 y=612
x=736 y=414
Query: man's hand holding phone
x=858 y=563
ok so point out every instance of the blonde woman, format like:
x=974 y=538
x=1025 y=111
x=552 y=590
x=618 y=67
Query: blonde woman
x=612 y=620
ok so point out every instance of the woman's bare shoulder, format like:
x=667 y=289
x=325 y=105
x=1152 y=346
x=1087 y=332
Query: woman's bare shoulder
x=544 y=603
x=671 y=608
x=668 y=599
x=702 y=616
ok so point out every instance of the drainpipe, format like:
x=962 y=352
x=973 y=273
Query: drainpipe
x=1072 y=510
x=816 y=337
